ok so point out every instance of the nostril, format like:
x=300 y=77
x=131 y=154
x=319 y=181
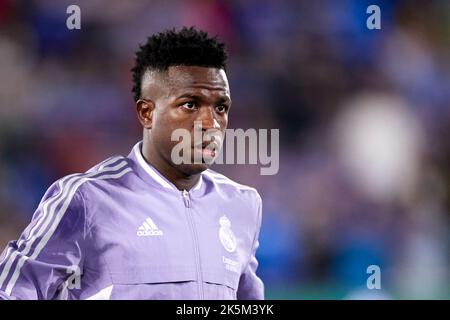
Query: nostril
x=210 y=124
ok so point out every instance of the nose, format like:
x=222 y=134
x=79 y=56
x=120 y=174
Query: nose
x=207 y=118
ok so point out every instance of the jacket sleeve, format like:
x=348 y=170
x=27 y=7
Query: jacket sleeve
x=251 y=286
x=47 y=257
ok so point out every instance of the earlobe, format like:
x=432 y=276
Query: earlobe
x=144 y=109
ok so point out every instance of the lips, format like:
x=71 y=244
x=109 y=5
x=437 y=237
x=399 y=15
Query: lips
x=207 y=149
x=212 y=145
x=210 y=141
x=208 y=153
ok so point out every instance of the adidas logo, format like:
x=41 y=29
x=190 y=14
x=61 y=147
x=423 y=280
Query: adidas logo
x=149 y=228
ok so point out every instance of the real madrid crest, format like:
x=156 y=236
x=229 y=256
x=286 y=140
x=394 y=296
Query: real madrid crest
x=226 y=235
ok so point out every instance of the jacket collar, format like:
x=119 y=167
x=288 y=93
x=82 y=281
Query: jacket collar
x=147 y=171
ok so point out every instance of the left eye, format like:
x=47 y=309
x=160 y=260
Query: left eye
x=221 y=108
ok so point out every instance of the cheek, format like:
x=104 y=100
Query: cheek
x=166 y=128
x=163 y=121
x=223 y=122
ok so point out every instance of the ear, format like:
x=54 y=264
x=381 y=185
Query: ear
x=144 y=109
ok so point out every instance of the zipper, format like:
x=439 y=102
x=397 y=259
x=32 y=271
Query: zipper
x=187 y=204
x=187 y=201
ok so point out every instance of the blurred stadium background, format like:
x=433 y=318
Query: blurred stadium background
x=363 y=116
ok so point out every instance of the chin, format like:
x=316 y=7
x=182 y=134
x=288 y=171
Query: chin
x=191 y=169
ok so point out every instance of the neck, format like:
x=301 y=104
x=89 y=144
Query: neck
x=181 y=180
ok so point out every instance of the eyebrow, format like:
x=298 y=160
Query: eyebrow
x=198 y=97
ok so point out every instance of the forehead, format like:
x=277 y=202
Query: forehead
x=182 y=78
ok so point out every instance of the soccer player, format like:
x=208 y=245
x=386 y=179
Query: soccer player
x=145 y=226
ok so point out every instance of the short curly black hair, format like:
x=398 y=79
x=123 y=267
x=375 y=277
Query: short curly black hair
x=188 y=47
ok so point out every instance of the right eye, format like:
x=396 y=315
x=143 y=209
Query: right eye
x=189 y=105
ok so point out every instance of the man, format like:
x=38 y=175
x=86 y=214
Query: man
x=146 y=226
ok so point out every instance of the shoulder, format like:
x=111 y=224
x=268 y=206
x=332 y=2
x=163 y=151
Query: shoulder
x=225 y=184
x=70 y=188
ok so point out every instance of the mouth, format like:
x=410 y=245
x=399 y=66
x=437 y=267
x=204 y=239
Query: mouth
x=207 y=149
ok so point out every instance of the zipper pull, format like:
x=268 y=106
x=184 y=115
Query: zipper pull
x=186 y=198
